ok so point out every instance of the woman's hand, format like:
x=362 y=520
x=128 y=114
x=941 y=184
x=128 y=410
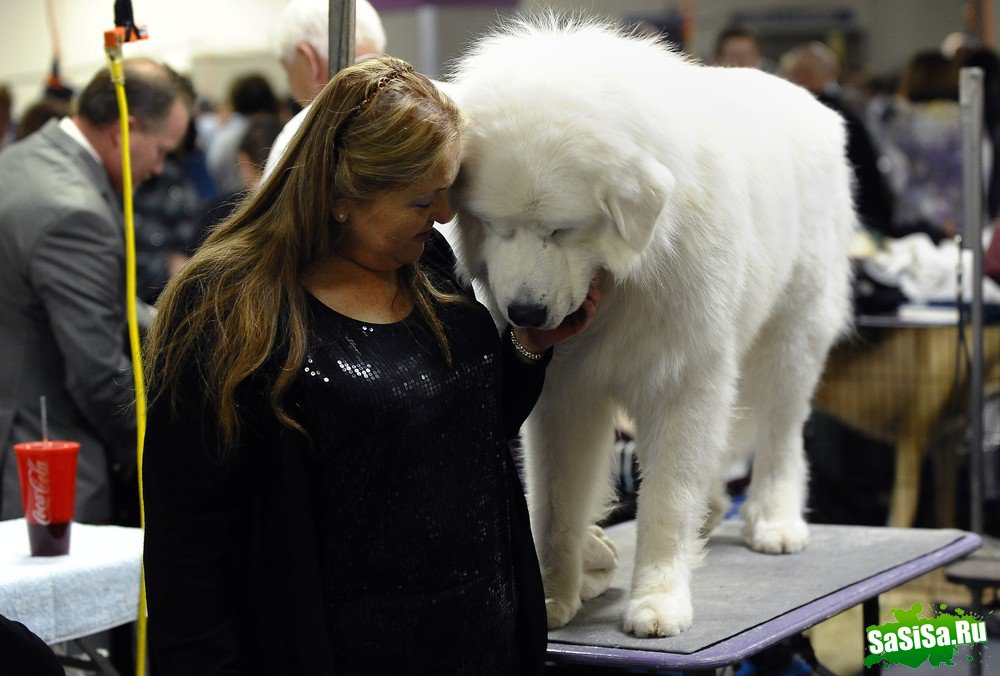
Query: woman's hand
x=539 y=340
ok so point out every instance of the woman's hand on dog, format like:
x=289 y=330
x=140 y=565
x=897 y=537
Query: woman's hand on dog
x=539 y=340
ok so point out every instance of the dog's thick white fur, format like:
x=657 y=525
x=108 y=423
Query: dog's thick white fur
x=717 y=203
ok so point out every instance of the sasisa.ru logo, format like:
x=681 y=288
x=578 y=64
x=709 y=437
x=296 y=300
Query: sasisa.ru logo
x=913 y=640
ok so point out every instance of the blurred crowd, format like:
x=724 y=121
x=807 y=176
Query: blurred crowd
x=903 y=128
x=66 y=369
x=222 y=156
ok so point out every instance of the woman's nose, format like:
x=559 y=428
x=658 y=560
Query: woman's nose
x=442 y=208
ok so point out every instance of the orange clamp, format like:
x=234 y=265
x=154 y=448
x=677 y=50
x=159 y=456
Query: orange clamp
x=119 y=35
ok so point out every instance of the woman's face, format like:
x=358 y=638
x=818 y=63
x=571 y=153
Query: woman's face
x=390 y=232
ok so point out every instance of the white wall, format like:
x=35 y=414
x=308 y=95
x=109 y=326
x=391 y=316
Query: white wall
x=216 y=40
x=181 y=31
x=212 y=40
x=455 y=27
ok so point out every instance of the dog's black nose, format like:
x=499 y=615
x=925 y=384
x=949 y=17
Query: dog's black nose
x=527 y=315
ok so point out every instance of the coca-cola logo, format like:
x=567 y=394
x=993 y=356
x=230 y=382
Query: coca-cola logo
x=38 y=479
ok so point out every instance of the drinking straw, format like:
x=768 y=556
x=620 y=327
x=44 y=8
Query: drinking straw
x=45 y=421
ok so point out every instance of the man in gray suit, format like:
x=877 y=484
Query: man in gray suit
x=62 y=281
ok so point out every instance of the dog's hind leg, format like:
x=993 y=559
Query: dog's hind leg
x=718 y=505
x=600 y=560
x=568 y=442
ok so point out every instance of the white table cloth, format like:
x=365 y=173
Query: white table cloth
x=59 y=598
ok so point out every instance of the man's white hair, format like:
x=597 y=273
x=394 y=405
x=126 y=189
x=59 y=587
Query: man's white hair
x=309 y=20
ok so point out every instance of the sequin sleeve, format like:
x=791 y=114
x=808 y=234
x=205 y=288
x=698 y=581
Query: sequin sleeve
x=522 y=383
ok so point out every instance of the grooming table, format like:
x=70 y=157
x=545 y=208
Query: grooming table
x=745 y=602
x=62 y=598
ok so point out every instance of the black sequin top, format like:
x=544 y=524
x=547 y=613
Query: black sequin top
x=411 y=492
x=397 y=542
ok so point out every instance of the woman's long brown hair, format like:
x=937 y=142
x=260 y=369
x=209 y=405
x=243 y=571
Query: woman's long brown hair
x=376 y=126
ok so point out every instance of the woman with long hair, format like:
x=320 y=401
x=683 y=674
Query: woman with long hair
x=327 y=479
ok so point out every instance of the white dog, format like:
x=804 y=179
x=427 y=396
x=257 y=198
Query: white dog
x=718 y=204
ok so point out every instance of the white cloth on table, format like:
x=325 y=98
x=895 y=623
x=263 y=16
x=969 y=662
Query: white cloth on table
x=927 y=273
x=59 y=598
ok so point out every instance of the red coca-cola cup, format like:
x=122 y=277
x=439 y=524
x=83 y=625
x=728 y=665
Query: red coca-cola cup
x=47 y=471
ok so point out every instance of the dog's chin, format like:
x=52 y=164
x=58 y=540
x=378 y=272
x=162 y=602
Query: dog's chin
x=547 y=326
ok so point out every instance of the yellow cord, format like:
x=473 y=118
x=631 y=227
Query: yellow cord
x=118 y=77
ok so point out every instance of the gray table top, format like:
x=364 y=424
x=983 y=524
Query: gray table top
x=745 y=601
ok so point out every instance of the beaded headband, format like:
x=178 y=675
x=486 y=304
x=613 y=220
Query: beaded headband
x=379 y=86
x=382 y=82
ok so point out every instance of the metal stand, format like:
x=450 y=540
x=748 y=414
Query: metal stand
x=869 y=617
x=976 y=575
x=97 y=663
x=971 y=100
x=341 y=35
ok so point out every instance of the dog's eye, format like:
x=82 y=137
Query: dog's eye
x=500 y=231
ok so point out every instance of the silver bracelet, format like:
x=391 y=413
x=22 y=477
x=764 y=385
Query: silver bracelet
x=522 y=350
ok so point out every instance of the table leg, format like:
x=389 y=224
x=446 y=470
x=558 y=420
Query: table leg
x=97 y=662
x=978 y=608
x=869 y=617
x=906 y=483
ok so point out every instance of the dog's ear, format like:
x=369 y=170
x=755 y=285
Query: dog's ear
x=634 y=202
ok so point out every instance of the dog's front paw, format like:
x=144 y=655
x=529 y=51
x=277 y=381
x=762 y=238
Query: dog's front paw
x=561 y=611
x=776 y=537
x=600 y=559
x=658 y=615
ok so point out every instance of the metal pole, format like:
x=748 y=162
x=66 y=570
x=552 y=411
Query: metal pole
x=870 y=618
x=341 y=39
x=971 y=100
x=427 y=29
x=987 y=19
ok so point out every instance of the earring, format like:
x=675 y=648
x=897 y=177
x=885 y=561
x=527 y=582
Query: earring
x=341 y=217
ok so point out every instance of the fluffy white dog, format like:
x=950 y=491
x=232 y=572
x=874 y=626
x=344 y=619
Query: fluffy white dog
x=717 y=203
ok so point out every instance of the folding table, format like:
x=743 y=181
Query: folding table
x=745 y=602
x=66 y=598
